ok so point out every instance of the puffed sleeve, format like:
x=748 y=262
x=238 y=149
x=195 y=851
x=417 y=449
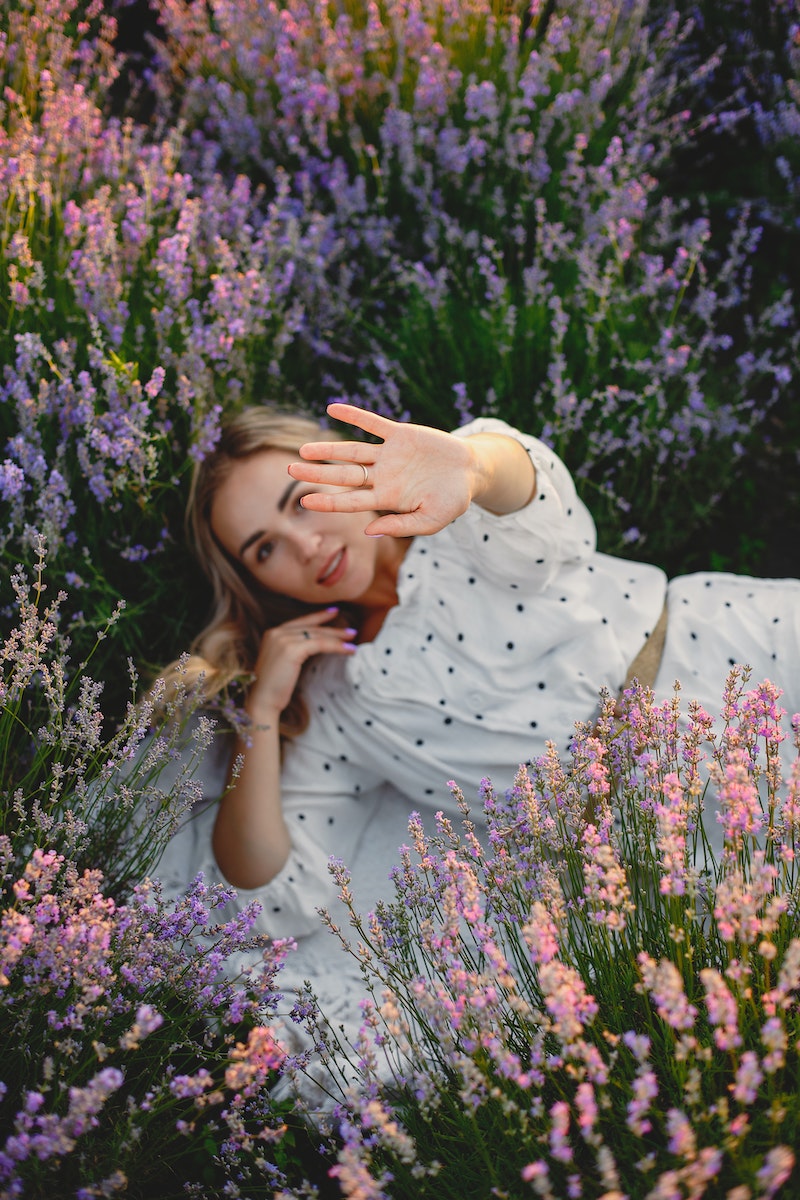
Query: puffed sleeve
x=533 y=544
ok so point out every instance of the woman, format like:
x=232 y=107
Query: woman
x=425 y=608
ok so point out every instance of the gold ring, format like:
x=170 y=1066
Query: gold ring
x=365 y=480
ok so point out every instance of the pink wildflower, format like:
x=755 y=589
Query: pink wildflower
x=740 y=815
x=774 y=1038
x=663 y=981
x=748 y=1078
x=682 y=1141
x=252 y=1062
x=567 y=1000
x=778 y=1166
x=559 y=1132
x=722 y=1010
x=672 y=815
x=541 y=934
x=645 y=1091
x=586 y=1105
x=606 y=887
x=739 y=901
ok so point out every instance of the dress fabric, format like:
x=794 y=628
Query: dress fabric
x=506 y=630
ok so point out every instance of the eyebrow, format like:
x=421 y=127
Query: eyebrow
x=283 y=501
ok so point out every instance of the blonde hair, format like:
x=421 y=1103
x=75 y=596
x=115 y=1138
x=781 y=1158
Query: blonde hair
x=225 y=652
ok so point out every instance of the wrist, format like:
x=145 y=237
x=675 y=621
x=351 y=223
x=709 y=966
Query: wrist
x=479 y=472
x=263 y=716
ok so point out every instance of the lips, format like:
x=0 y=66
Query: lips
x=333 y=570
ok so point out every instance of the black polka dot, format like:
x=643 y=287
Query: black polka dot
x=330 y=820
x=539 y=562
x=368 y=721
x=460 y=637
x=486 y=537
x=388 y=650
x=276 y=908
x=509 y=645
x=478 y=716
x=420 y=742
x=542 y=496
x=451 y=670
x=693 y=636
x=429 y=638
x=321 y=708
x=541 y=685
x=775 y=620
x=520 y=608
x=428 y=791
x=301 y=816
x=471 y=579
x=327 y=766
x=448 y=720
x=443 y=702
x=569 y=512
x=534 y=724
x=342 y=758
x=708 y=583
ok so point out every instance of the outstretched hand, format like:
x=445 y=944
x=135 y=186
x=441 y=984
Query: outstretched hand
x=418 y=479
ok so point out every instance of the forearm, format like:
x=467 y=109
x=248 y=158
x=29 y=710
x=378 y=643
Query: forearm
x=504 y=478
x=251 y=841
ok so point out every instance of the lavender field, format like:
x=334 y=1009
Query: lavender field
x=580 y=215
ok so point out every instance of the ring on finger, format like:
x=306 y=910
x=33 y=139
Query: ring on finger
x=365 y=481
x=306 y=634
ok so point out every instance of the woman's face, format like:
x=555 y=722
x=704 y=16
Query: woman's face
x=318 y=558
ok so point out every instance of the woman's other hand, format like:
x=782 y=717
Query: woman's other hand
x=284 y=651
x=417 y=478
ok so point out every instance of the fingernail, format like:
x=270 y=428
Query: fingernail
x=349 y=645
x=332 y=609
x=351 y=632
x=375 y=535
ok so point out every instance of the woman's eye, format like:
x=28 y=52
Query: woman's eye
x=263 y=552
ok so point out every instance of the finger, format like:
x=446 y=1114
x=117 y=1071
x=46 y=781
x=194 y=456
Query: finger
x=368 y=421
x=357 y=500
x=333 y=452
x=308 y=619
x=346 y=475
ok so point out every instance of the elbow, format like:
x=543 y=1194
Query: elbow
x=248 y=869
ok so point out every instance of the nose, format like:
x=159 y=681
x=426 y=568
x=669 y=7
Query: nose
x=306 y=543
